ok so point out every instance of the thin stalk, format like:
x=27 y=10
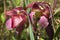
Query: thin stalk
x=25 y=3
x=30 y=27
x=5 y=9
x=12 y=3
x=54 y=6
x=4 y=2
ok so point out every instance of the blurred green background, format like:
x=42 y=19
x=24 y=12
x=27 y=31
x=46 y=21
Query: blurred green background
x=11 y=35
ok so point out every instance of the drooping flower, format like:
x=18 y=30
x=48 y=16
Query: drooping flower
x=16 y=18
x=44 y=16
x=39 y=9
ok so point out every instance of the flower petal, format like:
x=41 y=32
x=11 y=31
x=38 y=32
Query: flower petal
x=30 y=5
x=11 y=13
x=43 y=21
x=31 y=16
x=17 y=20
x=9 y=24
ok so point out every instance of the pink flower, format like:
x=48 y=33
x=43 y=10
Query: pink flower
x=17 y=18
x=13 y=22
x=44 y=10
x=43 y=21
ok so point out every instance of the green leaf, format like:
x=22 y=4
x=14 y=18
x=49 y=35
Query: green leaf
x=2 y=18
x=57 y=32
x=31 y=33
x=24 y=35
x=26 y=2
x=30 y=27
x=13 y=38
x=16 y=2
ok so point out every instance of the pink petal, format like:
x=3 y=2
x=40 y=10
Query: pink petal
x=17 y=20
x=9 y=24
x=11 y=13
x=43 y=21
x=30 y=5
x=31 y=16
x=14 y=11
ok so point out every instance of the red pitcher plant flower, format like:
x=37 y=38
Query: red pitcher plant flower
x=16 y=18
x=41 y=12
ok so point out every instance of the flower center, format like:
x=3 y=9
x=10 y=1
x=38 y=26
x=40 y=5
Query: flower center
x=18 y=12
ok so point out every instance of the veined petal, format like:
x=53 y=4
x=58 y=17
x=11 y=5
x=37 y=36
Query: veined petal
x=9 y=24
x=43 y=21
x=14 y=11
x=17 y=20
x=11 y=13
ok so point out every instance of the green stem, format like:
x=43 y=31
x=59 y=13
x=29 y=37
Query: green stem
x=25 y=3
x=54 y=4
x=30 y=27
